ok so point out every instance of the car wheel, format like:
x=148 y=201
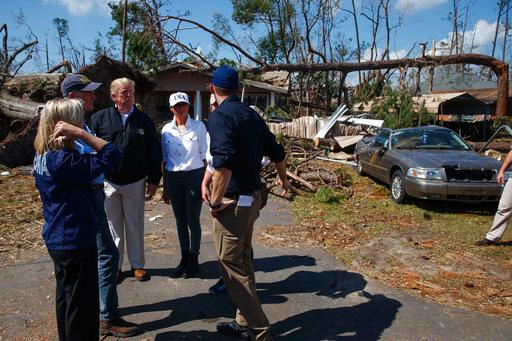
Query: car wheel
x=397 y=187
x=359 y=167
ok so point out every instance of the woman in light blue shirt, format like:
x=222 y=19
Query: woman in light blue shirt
x=184 y=158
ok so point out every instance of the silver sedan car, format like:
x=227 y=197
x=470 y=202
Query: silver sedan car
x=429 y=162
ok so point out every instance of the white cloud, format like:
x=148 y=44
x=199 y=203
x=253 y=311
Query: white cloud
x=398 y=54
x=83 y=7
x=199 y=50
x=475 y=40
x=392 y=54
x=414 y=5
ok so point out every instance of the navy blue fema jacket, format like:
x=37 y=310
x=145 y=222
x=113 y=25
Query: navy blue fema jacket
x=239 y=138
x=64 y=180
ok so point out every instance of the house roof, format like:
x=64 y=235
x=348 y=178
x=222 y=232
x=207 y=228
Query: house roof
x=431 y=102
x=251 y=83
x=178 y=65
x=265 y=86
x=277 y=78
x=485 y=95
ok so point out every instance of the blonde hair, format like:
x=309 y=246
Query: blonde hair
x=117 y=83
x=62 y=109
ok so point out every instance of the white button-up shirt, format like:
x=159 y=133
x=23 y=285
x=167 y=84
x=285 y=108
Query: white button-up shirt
x=184 y=149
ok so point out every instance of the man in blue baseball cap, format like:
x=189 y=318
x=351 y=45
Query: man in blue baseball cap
x=239 y=138
x=80 y=87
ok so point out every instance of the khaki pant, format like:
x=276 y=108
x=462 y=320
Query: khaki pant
x=232 y=235
x=499 y=226
x=124 y=205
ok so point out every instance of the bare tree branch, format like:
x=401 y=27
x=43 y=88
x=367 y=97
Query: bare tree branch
x=18 y=51
x=218 y=36
x=65 y=63
x=188 y=50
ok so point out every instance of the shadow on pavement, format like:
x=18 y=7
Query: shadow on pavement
x=365 y=321
x=367 y=318
x=210 y=269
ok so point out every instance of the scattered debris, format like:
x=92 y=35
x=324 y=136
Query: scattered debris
x=155 y=217
x=5 y=173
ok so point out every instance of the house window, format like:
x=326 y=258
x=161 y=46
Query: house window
x=260 y=101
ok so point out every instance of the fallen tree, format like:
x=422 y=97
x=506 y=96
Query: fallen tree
x=21 y=99
x=497 y=66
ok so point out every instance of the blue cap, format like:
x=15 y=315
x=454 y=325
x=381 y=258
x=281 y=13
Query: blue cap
x=75 y=82
x=225 y=77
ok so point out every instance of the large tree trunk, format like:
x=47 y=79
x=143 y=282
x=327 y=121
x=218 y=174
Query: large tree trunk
x=497 y=66
x=17 y=108
x=18 y=148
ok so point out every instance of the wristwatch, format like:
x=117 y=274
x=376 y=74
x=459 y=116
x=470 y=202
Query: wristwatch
x=215 y=207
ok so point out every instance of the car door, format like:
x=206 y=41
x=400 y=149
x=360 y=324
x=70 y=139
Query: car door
x=377 y=154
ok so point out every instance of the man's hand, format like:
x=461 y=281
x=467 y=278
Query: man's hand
x=501 y=178
x=150 y=190
x=205 y=193
x=285 y=184
x=165 y=197
x=223 y=205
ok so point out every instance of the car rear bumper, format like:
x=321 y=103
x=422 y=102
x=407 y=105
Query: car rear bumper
x=460 y=191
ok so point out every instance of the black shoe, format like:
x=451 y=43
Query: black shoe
x=231 y=328
x=218 y=288
x=192 y=267
x=180 y=269
x=485 y=242
x=244 y=336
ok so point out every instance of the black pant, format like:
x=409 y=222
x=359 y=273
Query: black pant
x=76 y=294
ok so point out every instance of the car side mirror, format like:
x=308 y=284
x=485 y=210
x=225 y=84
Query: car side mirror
x=382 y=150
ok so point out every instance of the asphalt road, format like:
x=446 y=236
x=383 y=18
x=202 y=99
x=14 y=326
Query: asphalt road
x=306 y=294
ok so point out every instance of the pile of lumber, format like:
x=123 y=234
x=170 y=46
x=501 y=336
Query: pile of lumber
x=308 y=127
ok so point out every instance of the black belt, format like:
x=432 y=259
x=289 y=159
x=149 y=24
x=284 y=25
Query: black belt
x=98 y=186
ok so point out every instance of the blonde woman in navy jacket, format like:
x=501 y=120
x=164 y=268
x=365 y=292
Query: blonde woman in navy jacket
x=64 y=179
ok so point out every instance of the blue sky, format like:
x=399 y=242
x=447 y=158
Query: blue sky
x=424 y=22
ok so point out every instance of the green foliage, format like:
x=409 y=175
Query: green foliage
x=280 y=137
x=347 y=178
x=141 y=48
x=101 y=48
x=329 y=196
x=275 y=111
x=62 y=27
x=503 y=120
x=228 y=62
x=249 y=12
x=275 y=15
x=398 y=110
x=369 y=90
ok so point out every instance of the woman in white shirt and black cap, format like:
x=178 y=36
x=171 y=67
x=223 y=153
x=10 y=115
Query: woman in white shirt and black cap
x=184 y=148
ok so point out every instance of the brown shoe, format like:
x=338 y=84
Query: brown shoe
x=141 y=275
x=485 y=242
x=118 y=328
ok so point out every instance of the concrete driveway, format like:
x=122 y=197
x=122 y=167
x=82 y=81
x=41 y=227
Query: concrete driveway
x=306 y=294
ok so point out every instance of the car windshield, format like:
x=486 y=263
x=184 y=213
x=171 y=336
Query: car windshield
x=427 y=139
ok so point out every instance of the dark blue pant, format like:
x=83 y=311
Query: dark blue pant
x=76 y=294
x=108 y=259
x=184 y=190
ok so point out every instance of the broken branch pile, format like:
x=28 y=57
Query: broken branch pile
x=305 y=173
